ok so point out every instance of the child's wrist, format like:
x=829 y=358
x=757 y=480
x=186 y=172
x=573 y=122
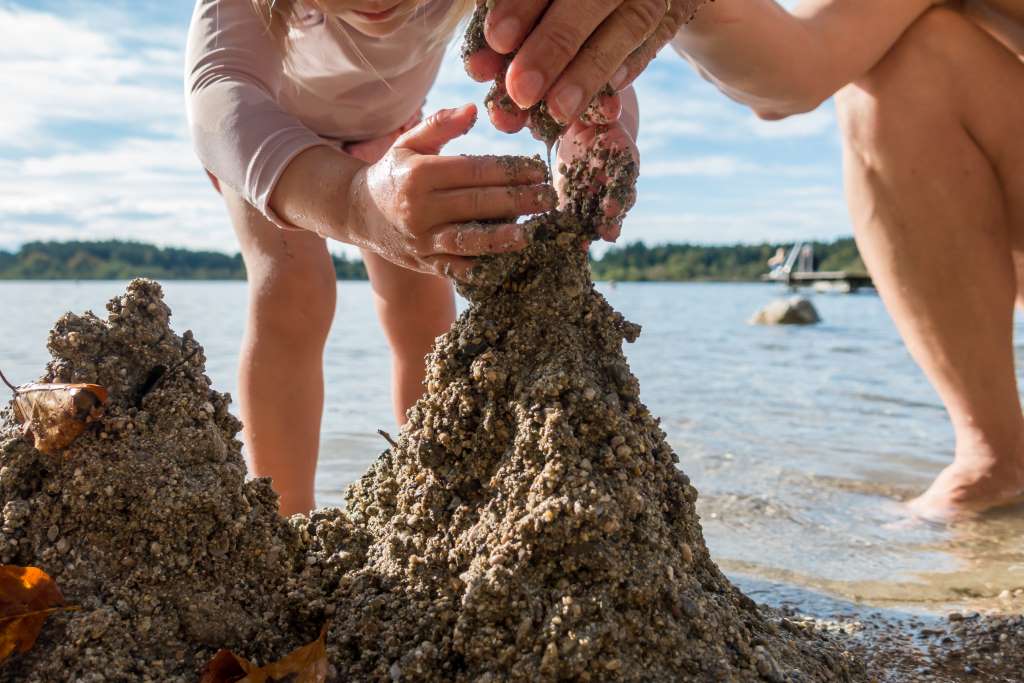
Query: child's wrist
x=314 y=190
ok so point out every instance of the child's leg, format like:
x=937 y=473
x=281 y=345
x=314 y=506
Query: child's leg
x=292 y=294
x=414 y=308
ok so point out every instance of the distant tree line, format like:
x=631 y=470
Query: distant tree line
x=699 y=262
x=119 y=260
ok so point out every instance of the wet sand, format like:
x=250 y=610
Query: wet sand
x=908 y=644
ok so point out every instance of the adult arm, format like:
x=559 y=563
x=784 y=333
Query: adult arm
x=781 y=63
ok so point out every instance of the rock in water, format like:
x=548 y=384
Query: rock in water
x=796 y=310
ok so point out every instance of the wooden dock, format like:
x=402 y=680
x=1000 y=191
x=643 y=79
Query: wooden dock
x=837 y=279
x=799 y=271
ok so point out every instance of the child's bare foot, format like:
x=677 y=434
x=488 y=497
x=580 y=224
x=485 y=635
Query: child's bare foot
x=971 y=485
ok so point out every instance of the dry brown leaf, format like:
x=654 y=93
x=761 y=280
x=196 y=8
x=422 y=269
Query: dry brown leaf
x=307 y=664
x=54 y=415
x=27 y=596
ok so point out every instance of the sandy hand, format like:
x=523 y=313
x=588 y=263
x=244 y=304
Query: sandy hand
x=619 y=183
x=550 y=51
x=423 y=211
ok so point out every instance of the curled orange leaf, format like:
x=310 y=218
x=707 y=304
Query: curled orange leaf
x=54 y=415
x=27 y=597
x=307 y=664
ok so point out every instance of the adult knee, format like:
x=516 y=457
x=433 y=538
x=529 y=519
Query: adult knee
x=914 y=77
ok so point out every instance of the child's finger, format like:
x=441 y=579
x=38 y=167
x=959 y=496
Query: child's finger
x=450 y=173
x=474 y=239
x=507 y=120
x=610 y=230
x=438 y=129
x=615 y=206
x=449 y=266
x=604 y=109
x=489 y=203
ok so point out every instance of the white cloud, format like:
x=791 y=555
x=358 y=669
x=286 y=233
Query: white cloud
x=57 y=70
x=723 y=166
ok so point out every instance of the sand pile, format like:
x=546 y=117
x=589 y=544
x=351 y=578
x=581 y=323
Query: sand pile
x=530 y=525
x=146 y=521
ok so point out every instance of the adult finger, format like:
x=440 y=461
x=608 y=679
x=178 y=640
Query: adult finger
x=489 y=203
x=680 y=13
x=598 y=60
x=475 y=239
x=551 y=46
x=509 y=22
x=504 y=114
x=603 y=110
x=485 y=65
x=451 y=173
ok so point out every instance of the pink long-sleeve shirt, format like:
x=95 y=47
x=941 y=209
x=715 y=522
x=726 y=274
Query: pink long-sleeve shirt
x=252 y=111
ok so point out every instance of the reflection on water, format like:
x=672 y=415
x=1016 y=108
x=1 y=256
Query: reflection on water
x=802 y=441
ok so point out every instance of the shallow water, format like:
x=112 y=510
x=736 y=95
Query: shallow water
x=801 y=440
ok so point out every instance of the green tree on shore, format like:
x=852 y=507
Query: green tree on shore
x=120 y=260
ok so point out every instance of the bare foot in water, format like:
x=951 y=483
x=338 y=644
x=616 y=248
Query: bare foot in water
x=972 y=484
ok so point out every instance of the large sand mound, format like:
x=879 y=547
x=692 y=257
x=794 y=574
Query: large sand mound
x=530 y=524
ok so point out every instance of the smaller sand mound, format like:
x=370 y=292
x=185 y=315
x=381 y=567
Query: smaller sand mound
x=146 y=521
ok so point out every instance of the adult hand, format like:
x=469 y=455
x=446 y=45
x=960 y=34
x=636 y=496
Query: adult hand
x=422 y=210
x=569 y=49
x=578 y=141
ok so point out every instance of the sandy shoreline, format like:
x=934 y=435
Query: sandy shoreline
x=908 y=643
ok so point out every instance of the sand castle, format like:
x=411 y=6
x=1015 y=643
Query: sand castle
x=529 y=525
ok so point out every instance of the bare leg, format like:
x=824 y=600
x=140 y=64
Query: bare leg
x=414 y=309
x=934 y=156
x=292 y=296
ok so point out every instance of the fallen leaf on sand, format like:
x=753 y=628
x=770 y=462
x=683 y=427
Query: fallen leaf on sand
x=308 y=664
x=27 y=596
x=54 y=415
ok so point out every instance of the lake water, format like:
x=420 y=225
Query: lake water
x=800 y=440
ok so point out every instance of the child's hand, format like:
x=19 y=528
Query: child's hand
x=577 y=141
x=421 y=210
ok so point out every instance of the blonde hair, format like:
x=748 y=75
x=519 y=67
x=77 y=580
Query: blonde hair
x=277 y=13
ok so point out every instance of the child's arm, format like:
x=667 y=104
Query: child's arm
x=233 y=72
x=781 y=63
x=396 y=207
x=414 y=207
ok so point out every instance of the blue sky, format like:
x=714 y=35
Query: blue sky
x=94 y=144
